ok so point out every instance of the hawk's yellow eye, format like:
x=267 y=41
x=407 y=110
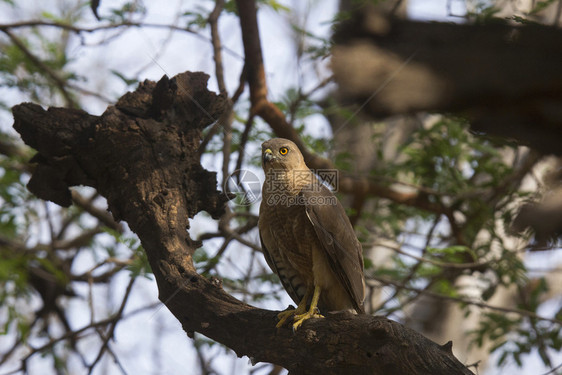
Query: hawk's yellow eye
x=283 y=150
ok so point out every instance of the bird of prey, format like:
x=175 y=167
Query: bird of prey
x=307 y=238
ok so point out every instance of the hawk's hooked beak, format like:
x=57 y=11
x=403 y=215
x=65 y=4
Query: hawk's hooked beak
x=268 y=155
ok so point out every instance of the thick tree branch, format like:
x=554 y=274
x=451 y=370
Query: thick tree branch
x=141 y=154
x=255 y=75
x=505 y=79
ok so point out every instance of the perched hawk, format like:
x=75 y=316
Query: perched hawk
x=307 y=238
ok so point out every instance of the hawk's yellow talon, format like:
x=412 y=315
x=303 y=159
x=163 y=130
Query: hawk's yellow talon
x=283 y=316
x=299 y=319
x=312 y=311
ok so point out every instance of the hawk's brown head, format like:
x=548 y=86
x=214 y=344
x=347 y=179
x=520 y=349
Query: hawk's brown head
x=280 y=153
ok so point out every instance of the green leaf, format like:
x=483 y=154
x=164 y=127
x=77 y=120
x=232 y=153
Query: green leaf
x=127 y=81
x=275 y=5
x=140 y=265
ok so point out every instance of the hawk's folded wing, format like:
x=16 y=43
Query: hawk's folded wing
x=338 y=239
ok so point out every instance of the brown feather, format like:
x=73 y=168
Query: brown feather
x=338 y=239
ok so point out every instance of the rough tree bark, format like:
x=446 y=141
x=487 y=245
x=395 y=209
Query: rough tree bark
x=505 y=79
x=142 y=155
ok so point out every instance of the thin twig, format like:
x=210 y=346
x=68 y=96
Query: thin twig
x=243 y=141
x=111 y=332
x=422 y=259
x=54 y=77
x=79 y=30
x=553 y=370
x=102 y=215
x=415 y=268
x=468 y=301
